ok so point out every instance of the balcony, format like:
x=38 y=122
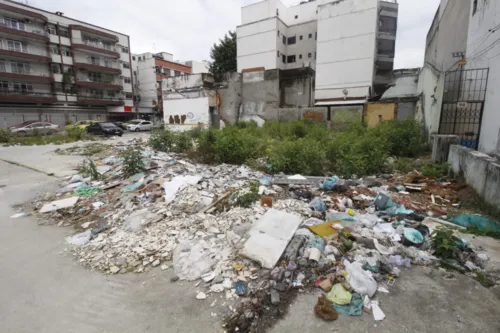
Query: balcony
x=387 y=34
x=20 y=96
x=37 y=34
x=100 y=100
x=24 y=54
x=97 y=48
x=23 y=12
x=98 y=84
x=112 y=68
x=99 y=33
x=385 y=57
x=26 y=75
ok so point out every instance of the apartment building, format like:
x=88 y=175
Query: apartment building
x=54 y=68
x=149 y=71
x=349 y=43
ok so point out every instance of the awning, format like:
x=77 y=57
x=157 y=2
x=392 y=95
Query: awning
x=347 y=102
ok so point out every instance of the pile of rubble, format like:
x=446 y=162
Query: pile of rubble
x=349 y=238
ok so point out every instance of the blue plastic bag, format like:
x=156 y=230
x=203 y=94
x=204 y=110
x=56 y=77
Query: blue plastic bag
x=329 y=183
x=318 y=205
x=478 y=221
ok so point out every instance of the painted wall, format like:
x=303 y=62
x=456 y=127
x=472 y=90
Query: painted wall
x=186 y=113
x=346 y=57
x=483 y=52
x=378 y=112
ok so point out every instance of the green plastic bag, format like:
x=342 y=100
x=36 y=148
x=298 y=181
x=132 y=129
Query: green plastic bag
x=338 y=295
x=478 y=221
x=355 y=308
x=413 y=236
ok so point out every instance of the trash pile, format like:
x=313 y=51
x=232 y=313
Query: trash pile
x=249 y=236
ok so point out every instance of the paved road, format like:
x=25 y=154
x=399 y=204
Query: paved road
x=44 y=290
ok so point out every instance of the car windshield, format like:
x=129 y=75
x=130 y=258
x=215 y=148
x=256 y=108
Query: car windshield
x=108 y=125
x=134 y=122
x=26 y=123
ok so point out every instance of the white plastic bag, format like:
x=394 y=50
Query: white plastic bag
x=192 y=260
x=359 y=279
x=81 y=238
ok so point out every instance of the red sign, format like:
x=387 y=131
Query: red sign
x=127 y=108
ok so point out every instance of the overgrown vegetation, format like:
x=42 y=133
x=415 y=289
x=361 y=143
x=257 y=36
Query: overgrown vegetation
x=71 y=135
x=444 y=243
x=89 y=169
x=132 y=162
x=299 y=146
x=247 y=198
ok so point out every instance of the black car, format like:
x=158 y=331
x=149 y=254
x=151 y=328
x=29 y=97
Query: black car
x=120 y=124
x=105 y=129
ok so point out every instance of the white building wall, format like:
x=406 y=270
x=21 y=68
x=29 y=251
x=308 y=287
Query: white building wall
x=346 y=57
x=483 y=51
x=257 y=45
x=195 y=111
x=146 y=84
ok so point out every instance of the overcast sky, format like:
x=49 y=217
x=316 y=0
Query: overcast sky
x=188 y=28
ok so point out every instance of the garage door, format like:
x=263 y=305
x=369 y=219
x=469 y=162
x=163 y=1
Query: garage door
x=9 y=119
x=406 y=110
x=55 y=118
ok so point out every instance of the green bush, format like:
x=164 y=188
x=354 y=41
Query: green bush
x=234 y=146
x=161 y=140
x=4 y=135
x=205 y=151
x=195 y=132
x=182 y=142
x=132 y=162
x=297 y=129
x=438 y=170
x=303 y=156
x=76 y=133
x=405 y=137
x=274 y=129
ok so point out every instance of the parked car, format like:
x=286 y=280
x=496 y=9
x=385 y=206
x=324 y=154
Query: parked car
x=106 y=129
x=142 y=125
x=26 y=123
x=83 y=124
x=120 y=124
x=43 y=128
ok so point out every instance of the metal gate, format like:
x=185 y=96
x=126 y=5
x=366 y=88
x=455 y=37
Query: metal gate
x=463 y=105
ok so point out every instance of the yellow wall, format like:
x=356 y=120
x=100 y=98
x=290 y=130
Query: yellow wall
x=379 y=111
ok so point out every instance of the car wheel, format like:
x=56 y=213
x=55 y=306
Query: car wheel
x=21 y=133
x=52 y=132
x=137 y=129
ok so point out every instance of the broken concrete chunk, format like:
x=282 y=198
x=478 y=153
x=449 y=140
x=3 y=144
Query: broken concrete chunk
x=275 y=297
x=59 y=204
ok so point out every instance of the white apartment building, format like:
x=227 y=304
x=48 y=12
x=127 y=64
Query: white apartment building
x=54 y=68
x=349 y=43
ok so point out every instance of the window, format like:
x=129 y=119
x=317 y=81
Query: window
x=283 y=58
x=20 y=67
x=301 y=37
x=124 y=49
x=127 y=80
x=54 y=50
x=292 y=40
x=309 y=55
x=67 y=69
x=278 y=54
x=14 y=45
x=474 y=7
x=66 y=53
x=14 y=24
x=63 y=33
x=290 y=59
x=296 y=16
x=284 y=39
x=111 y=94
x=277 y=12
x=126 y=65
x=177 y=73
x=310 y=36
x=300 y=56
x=23 y=87
x=52 y=30
x=133 y=58
x=278 y=33
x=316 y=35
x=129 y=95
x=315 y=56
x=94 y=60
x=56 y=69
x=106 y=45
x=4 y=86
x=2 y=66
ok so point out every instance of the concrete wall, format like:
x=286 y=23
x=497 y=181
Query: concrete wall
x=184 y=114
x=482 y=52
x=428 y=108
x=260 y=90
x=230 y=98
x=480 y=171
x=257 y=45
x=346 y=57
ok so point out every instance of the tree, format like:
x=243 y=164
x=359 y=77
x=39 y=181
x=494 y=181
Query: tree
x=224 y=55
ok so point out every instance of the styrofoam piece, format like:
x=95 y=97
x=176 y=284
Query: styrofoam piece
x=177 y=183
x=269 y=237
x=59 y=204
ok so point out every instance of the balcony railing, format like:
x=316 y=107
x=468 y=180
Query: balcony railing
x=102 y=64
x=86 y=79
x=25 y=51
x=34 y=31
x=99 y=45
x=12 y=92
x=23 y=71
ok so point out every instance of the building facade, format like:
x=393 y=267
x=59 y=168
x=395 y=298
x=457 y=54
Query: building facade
x=349 y=44
x=58 y=69
x=149 y=71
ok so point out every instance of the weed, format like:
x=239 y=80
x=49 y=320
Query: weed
x=444 y=243
x=304 y=156
x=404 y=137
x=76 y=133
x=195 y=132
x=236 y=147
x=438 y=170
x=161 y=140
x=4 y=135
x=182 y=142
x=132 y=162
x=89 y=169
x=245 y=200
x=484 y=280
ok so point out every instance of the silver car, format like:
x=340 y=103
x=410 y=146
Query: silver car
x=137 y=126
x=42 y=128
